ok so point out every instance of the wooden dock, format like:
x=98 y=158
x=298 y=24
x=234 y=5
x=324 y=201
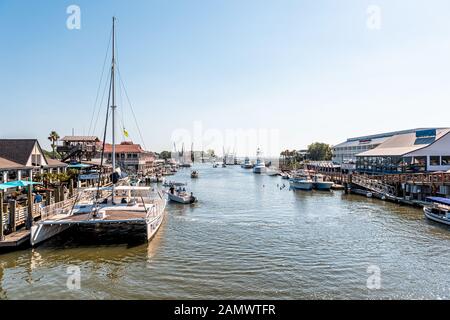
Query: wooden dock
x=16 y=239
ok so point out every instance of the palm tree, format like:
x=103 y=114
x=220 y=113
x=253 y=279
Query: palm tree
x=53 y=137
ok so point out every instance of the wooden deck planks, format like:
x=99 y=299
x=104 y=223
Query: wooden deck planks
x=15 y=239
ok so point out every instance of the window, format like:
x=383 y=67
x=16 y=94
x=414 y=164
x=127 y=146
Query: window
x=435 y=160
x=445 y=161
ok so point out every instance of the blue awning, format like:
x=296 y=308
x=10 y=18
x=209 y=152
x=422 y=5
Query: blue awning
x=440 y=200
x=16 y=184
x=78 y=166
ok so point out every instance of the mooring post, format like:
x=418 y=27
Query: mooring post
x=1 y=216
x=61 y=193
x=71 y=188
x=30 y=201
x=48 y=196
x=12 y=214
x=56 y=194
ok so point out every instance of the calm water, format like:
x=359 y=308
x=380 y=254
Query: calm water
x=246 y=238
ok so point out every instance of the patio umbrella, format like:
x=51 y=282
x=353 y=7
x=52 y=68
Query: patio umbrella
x=16 y=184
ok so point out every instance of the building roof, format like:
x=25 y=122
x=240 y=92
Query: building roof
x=124 y=147
x=378 y=138
x=401 y=144
x=17 y=150
x=80 y=139
x=362 y=142
x=53 y=163
x=9 y=165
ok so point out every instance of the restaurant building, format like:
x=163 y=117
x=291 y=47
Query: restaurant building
x=423 y=150
x=131 y=157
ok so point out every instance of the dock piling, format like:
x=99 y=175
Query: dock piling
x=29 y=221
x=12 y=215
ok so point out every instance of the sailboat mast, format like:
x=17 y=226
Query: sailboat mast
x=113 y=106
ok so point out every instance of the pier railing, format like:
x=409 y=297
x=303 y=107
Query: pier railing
x=374 y=185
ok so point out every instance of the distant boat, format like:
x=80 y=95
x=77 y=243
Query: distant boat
x=320 y=183
x=194 y=174
x=247 y=164
x=301 y=181
x=438 y=210
x=260 y=166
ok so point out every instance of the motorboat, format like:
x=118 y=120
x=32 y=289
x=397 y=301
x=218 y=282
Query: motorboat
x=301 y=181
x=194 y=174
x=180 y=195
x=438 y=210
x=320 y=183
x=247 y=164
x=260 y=166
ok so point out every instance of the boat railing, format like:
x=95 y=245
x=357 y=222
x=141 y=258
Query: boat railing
x=58 y=207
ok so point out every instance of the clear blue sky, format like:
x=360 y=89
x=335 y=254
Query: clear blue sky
x=312 y=70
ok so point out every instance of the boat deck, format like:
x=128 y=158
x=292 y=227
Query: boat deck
x=110 y=215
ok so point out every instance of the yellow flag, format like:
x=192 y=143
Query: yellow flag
x=125 y=133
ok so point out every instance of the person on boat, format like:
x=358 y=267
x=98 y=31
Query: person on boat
x=172 y=189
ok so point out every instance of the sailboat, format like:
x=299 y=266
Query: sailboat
x=109 y=207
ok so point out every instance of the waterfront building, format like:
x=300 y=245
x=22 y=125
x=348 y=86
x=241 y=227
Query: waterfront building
x=79 y=148
x=423 y=150
x=131 y=157
x=21 y=158
x=345 y=152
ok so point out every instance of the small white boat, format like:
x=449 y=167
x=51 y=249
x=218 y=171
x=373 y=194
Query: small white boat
x=194 y=174
x=438 y=210
x=247 y=164
x=320 y=183
x=181 y=196
x=260 y=166
x=301 y=181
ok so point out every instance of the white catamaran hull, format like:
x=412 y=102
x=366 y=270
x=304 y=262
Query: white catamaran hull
x=43 y=232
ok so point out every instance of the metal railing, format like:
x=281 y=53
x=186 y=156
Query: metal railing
x=374 y=185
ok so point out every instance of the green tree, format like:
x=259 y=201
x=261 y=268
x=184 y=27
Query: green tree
x=319 y=151
x=53 y=137
x=165 y=155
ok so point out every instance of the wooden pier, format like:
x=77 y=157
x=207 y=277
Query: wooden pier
x=16 y=239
